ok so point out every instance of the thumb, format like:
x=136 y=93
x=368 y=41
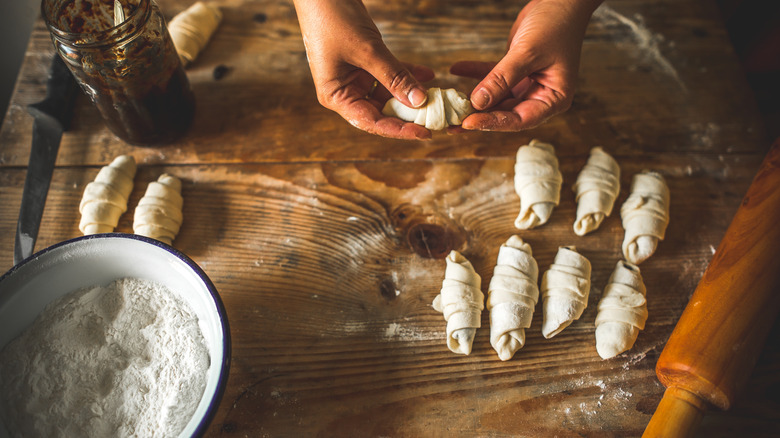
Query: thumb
x=498 y=84
x=394 y=76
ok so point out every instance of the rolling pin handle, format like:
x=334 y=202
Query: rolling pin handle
x=677 y=416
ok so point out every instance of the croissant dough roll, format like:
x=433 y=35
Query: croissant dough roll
x=597 y=187
x=444 y=108
x=192 y=28
x=645 y=216
x=105 y=198
x=512 y=296
x=461 y=301
x=622 y=311
x=565 y=289
x=158 y=214
x=538 y=183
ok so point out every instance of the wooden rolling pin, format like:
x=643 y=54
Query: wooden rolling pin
x=719 y=336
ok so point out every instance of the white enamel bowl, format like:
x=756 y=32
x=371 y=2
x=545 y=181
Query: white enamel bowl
x=98 y=259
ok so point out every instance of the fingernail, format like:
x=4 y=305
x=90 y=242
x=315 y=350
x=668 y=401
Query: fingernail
x=481 y=100
x=417 y=97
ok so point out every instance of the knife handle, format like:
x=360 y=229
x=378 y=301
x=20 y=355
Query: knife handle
x=61 y=89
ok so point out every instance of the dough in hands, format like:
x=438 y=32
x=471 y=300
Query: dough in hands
x=461 y=301
x=192 y=28
x=105 y=198
x=538 y=183
x=645 y=216
x=597 y=187
x=159 y=214
x=512 y=296
x=444 y=108
x=622 y=311
x=565 y=289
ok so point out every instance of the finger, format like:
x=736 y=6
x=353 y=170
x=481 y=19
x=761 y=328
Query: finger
x=361 y=114
x=498 y=83
x=526 y=115
x=394 y=75
x=493 y=121
x=396 y=128
x=420 y=72
x=472 y=69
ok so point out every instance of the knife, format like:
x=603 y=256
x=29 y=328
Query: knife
x=52 y=117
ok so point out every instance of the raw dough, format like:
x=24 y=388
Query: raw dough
x=538 y=183
x=512 y=295
x=645 y=216
x=158 y=214
x=597 y=187
x=622 y=311
x=461 y=301
x=192 y=28
x=444 y=108
x=565 y=289
x=105 y=199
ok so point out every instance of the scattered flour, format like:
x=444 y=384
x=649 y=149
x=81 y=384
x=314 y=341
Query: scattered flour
x=401 y=332
x=647 y=43
x=126 y=359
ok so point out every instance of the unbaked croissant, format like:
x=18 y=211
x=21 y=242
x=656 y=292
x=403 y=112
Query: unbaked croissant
x=597 y=187
x=461 y=301
x=159 y=214
x=622 y=311
x=444 y=108
x=512 y=296
x=192 y=28
x=537 y=182
x=105 y=198
x=565 y=289
x=645 y=216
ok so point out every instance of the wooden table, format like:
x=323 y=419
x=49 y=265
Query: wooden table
x=326 y=243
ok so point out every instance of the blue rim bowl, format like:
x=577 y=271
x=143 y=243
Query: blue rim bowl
x=28 y=287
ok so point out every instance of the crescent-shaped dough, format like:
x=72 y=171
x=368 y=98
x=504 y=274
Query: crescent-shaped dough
x=565 y=289
x=597 y=187
x=461 y=301
x=622 y=311
x=512 y=296
x=158 y=214
x=105 y=198
x=645 y=216
x=538 y=183
x=192 y=28
x=444 y=108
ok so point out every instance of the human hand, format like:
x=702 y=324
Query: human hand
x=354 y=72
x=536 y=78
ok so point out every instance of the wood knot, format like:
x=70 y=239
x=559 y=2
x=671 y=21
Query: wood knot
x=429 y=235
x=388 y=289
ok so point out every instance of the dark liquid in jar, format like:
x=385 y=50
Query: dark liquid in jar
x=131 y=71
x=161 y=116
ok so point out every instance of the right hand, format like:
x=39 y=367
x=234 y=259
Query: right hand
x=536 y=78
x=346 y=56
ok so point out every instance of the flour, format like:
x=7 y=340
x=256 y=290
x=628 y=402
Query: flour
x=126 y=359
x=646 y=43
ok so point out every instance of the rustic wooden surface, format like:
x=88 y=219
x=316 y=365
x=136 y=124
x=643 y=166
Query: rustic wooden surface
x=326 y=243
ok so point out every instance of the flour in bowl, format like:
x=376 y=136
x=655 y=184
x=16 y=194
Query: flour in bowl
x=126 y=359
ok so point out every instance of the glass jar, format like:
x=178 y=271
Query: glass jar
x=130 y=71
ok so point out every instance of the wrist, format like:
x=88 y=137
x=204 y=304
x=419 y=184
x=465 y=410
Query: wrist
x=580 y=8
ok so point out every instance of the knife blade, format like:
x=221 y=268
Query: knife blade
x=52 y=117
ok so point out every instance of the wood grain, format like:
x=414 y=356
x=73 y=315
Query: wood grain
x=325 y=242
